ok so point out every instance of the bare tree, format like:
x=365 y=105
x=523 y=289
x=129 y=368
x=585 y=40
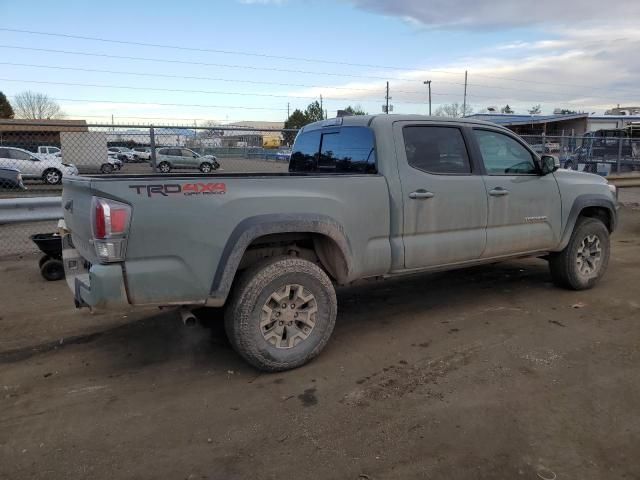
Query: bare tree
x=36 y=106
x=453 y=110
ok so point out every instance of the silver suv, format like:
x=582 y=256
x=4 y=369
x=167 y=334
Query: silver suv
x=50 y=170
x=169 y=158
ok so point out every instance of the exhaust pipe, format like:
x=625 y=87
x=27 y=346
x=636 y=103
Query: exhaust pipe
x=188 y=318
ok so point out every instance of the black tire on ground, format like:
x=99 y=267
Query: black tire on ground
x=106 y=168
x=274 y=336
x=164 y=167
x=584 y=260
x=206 y=167
x=52 y=269
x=43 y=259
x=52 y=176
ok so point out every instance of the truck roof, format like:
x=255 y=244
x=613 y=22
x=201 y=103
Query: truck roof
x=368 y=120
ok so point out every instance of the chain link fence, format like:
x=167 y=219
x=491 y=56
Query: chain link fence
x=605 y=152
x=36 y=156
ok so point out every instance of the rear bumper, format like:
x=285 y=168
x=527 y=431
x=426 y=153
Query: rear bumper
x=92 y=285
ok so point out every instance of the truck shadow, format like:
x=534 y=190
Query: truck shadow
x=162 y=337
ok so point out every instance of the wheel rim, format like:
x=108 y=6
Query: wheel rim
x=205 y=168
x=589 y=255
x=53 y=177
x=288 y=316
x=164 y=168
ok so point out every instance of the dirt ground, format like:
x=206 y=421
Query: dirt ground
x=487 y=373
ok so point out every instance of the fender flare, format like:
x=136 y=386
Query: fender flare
x=253 y=227
x=579 y=204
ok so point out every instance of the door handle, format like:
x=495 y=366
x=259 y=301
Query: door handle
x=420 y=194
x=498 y=192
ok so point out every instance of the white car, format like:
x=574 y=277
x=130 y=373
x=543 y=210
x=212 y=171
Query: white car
x=31 y=166
x=141 y=153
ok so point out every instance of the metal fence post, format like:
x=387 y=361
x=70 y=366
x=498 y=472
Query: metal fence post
x=152 y=142
x=619 y=153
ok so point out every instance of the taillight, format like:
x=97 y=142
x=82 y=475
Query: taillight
x=110 y=227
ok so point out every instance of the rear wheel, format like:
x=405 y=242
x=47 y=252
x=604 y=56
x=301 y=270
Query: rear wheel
x=106 y=168
x=584 y=260
x=164 y=167
x=52 y=176
x=281 y=314
x=52 y=269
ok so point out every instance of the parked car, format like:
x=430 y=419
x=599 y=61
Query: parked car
x=31 y=166
x=141 y=154
x=11 y=178
x=365 y=197
x=122 y=153
x=173 y=157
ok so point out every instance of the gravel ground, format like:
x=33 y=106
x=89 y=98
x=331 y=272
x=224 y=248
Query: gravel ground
x=486 y=373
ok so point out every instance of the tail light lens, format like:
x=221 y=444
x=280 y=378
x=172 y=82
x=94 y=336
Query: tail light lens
x=110 y=221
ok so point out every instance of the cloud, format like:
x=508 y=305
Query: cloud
x=486 y=14
x=586 y=69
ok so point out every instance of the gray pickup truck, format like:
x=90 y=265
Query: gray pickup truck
x=365 y=196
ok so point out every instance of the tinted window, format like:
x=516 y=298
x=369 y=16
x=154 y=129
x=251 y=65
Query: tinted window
x=19 y=155
x=187 y=153
x=163 y=151
x=436 y=149
x=342 y=150
x=502 y=155
x=4 y=153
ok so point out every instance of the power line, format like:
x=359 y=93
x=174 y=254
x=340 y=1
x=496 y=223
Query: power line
x=208 y=50
x=207 y=64
x=263 y=55
x=162 y=104
x=178 y=90
x=189 y=77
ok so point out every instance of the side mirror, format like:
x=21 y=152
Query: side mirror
x=549 y=164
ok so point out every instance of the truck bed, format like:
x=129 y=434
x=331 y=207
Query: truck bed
x=184 y=226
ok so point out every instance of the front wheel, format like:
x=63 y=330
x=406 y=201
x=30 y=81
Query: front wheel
x=584 y=260
x=52 y=176
x=281 y=314
x=206 y=167
x=106 y=168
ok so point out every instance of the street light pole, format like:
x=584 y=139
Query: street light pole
x=428 y=83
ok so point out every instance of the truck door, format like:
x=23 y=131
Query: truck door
x=524 y=206
x=445 y=201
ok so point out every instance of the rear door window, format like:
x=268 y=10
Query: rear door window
x=342 y=150
x=438 y=150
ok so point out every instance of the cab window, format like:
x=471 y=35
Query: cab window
x=340 y=150
x=503 y=155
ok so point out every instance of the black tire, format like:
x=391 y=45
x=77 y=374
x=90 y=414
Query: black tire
x=43 y=259
x=566 y=266
x=164 y=167
x=568 y=165
x=52 y=176
x=206 y=167
x=52 y=270
x=106 y=168
x=256 y=288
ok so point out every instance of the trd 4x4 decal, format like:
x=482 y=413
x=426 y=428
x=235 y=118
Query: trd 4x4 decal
x=188 y=189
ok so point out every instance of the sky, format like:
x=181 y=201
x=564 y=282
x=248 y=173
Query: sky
x=225 y=61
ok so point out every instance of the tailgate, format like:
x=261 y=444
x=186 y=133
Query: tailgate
x=76 y=207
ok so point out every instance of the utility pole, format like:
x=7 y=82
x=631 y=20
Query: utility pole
x=464 y=103
x=112 y=126
x=321 y=109
x=386 y=108
x=428 y=83
x=288 y=111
